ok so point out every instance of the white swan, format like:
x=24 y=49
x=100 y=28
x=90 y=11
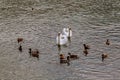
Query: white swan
x=61 y=39
x=67 y=32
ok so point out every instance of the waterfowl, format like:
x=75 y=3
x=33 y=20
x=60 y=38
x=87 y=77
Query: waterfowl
x=86 y=46
x=73 y=56
x=34 y=53
x=85 y=52
x=19 y=40
x=108 y=42
x=62 y=56
x=104 y=56
x=63 y=60
x=67 y=32
x=61 y=39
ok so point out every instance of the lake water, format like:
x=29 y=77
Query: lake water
x=39 y=28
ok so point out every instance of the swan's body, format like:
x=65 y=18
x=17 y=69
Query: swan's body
x=61 y=39
x=67 y=32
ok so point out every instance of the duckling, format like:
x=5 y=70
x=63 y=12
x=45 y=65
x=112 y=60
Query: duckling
x=85 y=52
x=63 y=60
x=104 y=56
x=108 y=42
x=34 y=53
x=86 y=46
x=73 y=56
x=19 y=40
x=62 y=56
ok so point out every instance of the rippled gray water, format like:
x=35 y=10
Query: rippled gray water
x=90 y=23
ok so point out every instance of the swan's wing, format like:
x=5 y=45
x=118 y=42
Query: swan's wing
x=66 y=31
x=57 y=40
x=62 y=42
x=65 y=40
